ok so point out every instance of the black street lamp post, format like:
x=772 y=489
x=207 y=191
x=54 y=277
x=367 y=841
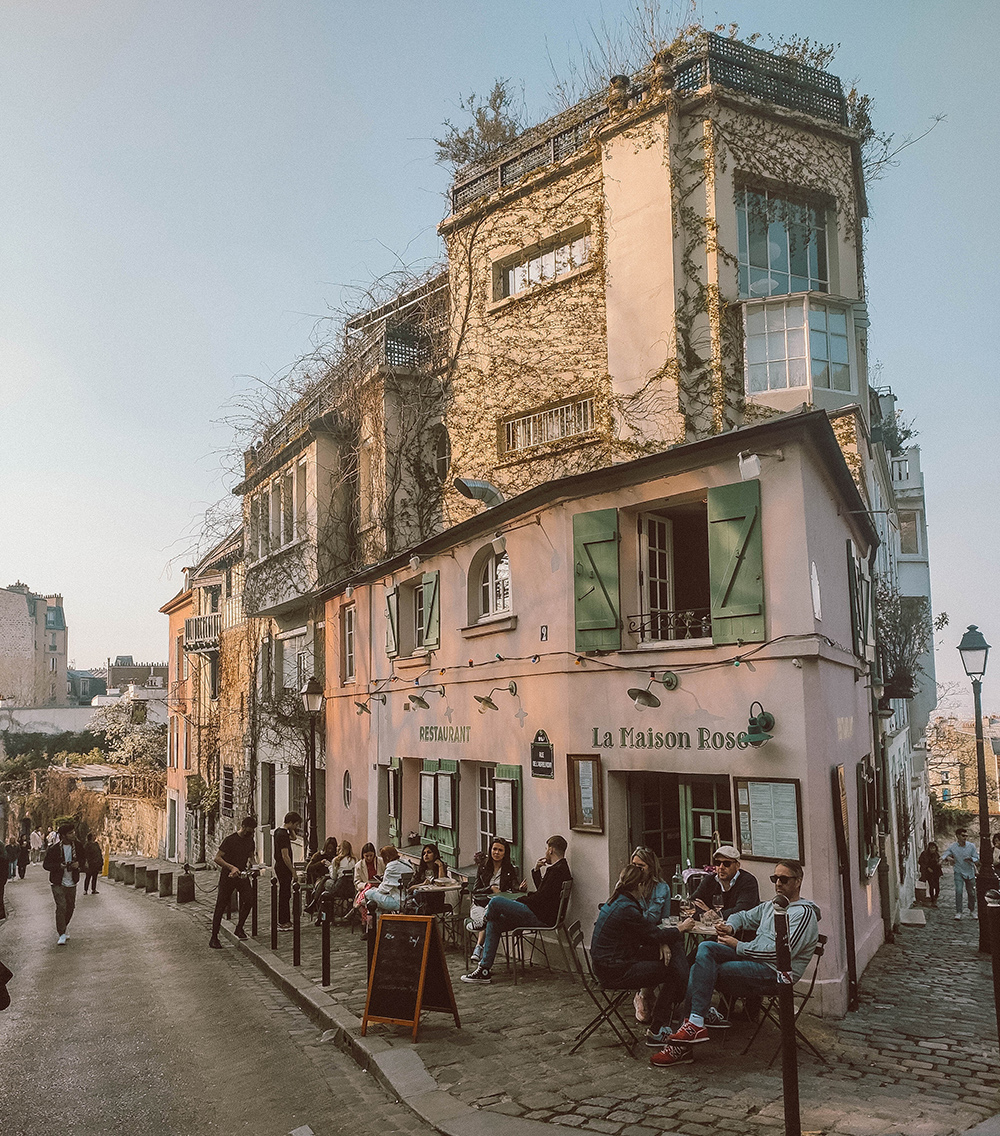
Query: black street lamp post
x=974 y=650
x=312 y=701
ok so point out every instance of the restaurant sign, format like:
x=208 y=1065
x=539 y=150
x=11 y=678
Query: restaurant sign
x=455 y=735
x=628 y=737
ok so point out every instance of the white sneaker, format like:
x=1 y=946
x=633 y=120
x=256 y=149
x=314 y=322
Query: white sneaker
x=974 y=913
x=958 y=915
x=61 y=941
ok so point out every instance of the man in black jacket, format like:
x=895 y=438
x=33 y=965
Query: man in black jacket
x=235 y=852
x=730 y=890
x=62 y=862
x=539 y=909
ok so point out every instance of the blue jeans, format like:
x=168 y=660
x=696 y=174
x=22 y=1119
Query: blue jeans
x=503 y=914
x=717 y=964
x=968 y=884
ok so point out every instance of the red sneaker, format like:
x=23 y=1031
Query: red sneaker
x=672 y=1055
x=689 y=1034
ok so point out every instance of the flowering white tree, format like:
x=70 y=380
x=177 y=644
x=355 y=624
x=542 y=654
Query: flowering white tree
x=131 y=738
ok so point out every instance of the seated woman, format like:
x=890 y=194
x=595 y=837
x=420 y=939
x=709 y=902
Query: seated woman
x=430 y=868
x=342 y=872
x=387 y=896
x=318 y=869
x=655 y=908
x=626 y=950
x=368 y=870
x=496 y=873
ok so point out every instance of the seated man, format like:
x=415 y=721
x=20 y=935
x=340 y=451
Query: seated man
x=539 y=909
x=730 y=889
x=744 y=968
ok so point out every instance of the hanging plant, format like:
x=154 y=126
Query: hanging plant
x=905 y=631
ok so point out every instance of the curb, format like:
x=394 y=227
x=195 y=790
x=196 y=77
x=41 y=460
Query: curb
x=399 y=1068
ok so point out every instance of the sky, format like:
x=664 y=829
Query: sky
x=189 y=192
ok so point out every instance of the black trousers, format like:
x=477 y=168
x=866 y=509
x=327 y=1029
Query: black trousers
x=284 y=895
x=227 y=885
x=90 y=880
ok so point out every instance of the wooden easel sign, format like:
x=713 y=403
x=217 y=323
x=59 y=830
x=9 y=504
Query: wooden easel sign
x=408 y=973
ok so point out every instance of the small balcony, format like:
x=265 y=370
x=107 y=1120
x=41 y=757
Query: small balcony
x=671 y=626
x=201 y=633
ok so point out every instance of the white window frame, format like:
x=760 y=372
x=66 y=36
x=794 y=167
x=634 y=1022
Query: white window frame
x=544 y=263
x=779 y=246
x=915 y=514
x=490 y=604
x=348 y=617
x=799 y=342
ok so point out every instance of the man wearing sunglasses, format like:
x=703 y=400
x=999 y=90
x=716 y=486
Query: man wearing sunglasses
x=746 y=969
x=730 y=889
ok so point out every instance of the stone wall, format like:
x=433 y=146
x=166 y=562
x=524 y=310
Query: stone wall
x=135 y=826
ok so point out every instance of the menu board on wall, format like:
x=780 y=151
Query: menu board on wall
x=770 y=818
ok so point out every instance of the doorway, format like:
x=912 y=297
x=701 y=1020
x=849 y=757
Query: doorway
x=681 y=817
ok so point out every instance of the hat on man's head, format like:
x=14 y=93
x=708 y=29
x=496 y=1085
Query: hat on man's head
x=727 y=852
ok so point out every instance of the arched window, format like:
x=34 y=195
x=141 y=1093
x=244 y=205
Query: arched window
x=494 y=585
x=440 y=451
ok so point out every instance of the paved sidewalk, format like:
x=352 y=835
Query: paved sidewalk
x=919 y=1058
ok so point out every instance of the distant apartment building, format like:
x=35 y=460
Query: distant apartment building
x=125 y=672
x=33 y=639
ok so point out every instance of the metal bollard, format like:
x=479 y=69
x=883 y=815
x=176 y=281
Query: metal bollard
x=786 y=1014
x=296 y=924
x=992 y=899
x=253 y=897
x=274 y=913
x=327 y=902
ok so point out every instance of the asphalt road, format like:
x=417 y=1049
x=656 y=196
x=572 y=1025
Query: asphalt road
x=135 y=1026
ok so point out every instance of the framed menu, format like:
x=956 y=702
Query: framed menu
x=586 y=797
x=769 y=818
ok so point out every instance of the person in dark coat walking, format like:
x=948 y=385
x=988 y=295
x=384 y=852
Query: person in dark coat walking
x=23 y=856
x=93 y=862
x=63 y=862
x=11 y=858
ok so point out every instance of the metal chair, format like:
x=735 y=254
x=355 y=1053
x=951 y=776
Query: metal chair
x=608 y=1002
x=769 y=1009
x=513 y=938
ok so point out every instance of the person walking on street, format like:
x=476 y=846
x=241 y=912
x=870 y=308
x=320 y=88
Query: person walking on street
x=284 y=867
x=235 y=852
x=37 y=845
x=62 y=862
x=929 y=863
x=962 y=853
x=23 y=856
x=12 y=851
x=51 y=837
x=93 y=860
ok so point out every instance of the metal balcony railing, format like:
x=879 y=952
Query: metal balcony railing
x=201 y=632
x=659 y=626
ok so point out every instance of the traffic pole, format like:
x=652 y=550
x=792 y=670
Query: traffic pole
x=296 y=924
x=274 y=913
x=253 y=901
x=786 y=1017
x=326 y=914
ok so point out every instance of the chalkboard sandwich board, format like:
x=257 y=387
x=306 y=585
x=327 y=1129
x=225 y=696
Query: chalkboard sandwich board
x=408 y=973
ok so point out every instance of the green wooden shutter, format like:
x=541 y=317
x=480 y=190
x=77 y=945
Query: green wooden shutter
x=432 y=610
x=444 y=836
x=597 y=604
x=859 y=585
x=394 y=803
x=736 y=563
x=392 y=623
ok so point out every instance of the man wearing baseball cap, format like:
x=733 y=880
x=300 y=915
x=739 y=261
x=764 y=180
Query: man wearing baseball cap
x=731 y=889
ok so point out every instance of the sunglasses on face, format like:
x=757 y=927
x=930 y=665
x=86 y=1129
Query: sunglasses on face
x=725 y=863
x=782 y=879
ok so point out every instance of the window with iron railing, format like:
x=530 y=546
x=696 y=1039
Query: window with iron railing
x=565 y=421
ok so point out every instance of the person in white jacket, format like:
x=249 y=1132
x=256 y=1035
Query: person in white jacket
x=748 y=967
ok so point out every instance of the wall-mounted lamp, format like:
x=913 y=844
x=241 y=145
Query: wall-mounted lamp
x=645 y=699
x=487 y=703
x=750 y=462
x=349 y=591
x=758 y=726
x=365 y=707
x=499 y=543
x=414 y=562
x=418 y=702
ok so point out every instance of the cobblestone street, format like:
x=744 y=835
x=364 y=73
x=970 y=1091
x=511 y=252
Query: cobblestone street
x=919 y=1058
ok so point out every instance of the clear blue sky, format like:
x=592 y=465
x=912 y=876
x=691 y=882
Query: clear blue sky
x=186 y=188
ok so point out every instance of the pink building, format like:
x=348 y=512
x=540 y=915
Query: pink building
x=492 y=679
